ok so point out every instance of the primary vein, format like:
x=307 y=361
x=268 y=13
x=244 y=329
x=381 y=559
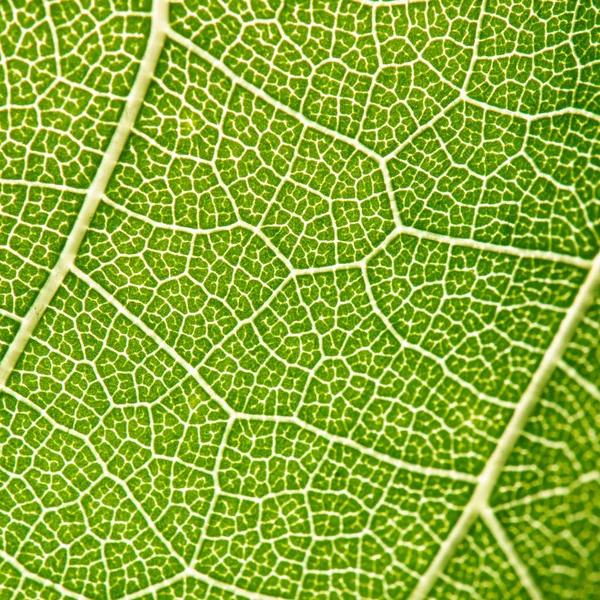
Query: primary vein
x=487 y=480
x=94 y=194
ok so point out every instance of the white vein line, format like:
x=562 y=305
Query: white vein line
x=511 y=554
x=188 y=572
x=555 y=257
x=422 y=128
x=575 y=261
x=266 y=240
x=588 y=386
x=152 y=335
x=11 y=560
x=174 y=227
x=592 y=476
x=336 y=439
x=391 y=193
x=156 y=587
x=8 y=315
x=40 y=184
x=234 y=589
x=192 y=573
x=92 y=198
x=495 y=465
x=384 y=3
x=562 y=112
x=236 y=79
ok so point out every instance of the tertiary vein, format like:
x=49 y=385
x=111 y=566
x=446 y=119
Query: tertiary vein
x=400 y=229
x=381 y=161
x=427 y=471
x=144 y=592
x=507 y=547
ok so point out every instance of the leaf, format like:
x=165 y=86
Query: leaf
x=299 y=299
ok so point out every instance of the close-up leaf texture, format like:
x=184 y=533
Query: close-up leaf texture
x=299 y=299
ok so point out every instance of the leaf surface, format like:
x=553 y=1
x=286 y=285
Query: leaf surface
x=299 y=300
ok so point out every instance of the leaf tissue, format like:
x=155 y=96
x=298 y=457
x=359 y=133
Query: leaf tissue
x=299 y=299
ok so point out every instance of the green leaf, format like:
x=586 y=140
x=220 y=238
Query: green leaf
x=299 y=299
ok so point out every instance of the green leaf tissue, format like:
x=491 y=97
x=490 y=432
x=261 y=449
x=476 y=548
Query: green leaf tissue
x=299 y=299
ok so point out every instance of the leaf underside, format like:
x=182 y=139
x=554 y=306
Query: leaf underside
x=298 y=300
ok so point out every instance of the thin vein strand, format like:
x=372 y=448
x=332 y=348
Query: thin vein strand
x=581 y=381
x=151 y=334
x=554 y=257
x=511 y=554
x=427 y=471
x=220 y=66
